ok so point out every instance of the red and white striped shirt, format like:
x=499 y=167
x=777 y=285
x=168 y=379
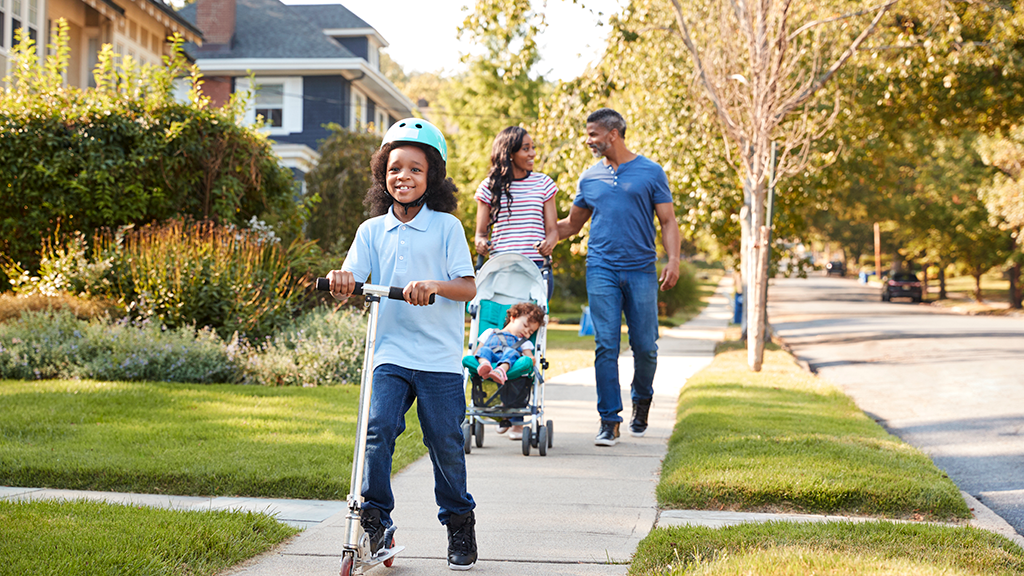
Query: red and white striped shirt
x=524 y=227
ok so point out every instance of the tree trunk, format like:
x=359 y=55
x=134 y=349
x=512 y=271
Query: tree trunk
x=744 y=267
x=1016 y=287
x=758 y=286
x=977 y=286
x=942 y=281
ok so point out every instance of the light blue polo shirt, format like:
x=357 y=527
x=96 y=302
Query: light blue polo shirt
x=622 y=232
x=392 y=253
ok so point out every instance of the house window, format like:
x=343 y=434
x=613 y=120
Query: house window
x=33 y=19
x=278 y=100
x=270 y=104
x=358 y=110
x=381 y=122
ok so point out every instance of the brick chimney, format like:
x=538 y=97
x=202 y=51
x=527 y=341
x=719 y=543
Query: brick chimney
x=216 y=19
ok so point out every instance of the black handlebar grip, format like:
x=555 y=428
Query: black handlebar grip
x=394 y=293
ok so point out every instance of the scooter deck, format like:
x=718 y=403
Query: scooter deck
x=383 y=555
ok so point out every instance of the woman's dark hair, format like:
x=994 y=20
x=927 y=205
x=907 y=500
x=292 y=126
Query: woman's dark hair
x=499 y=180
x=440 y=194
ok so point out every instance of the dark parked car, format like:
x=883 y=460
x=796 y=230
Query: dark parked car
x=903 y=285
x=835 y=268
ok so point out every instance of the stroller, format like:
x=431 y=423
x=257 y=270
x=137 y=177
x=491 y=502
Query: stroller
x=504 y=280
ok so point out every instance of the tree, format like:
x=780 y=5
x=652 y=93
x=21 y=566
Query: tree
x=762 y=65
x=340 y=180
x=126 y=152
x=1004 y=196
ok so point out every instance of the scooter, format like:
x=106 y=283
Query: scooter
x=356 y=556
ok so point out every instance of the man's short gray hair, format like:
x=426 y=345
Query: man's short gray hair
x=610 y=120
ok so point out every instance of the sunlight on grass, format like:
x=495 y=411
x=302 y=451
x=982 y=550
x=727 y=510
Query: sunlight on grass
x=782 y=439
x=831 y=548
x=184 y=439
x=82 y=538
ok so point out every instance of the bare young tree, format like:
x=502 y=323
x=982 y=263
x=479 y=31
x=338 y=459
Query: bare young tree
x=762 y=65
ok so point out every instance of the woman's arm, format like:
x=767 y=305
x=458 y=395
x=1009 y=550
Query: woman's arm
x=550 y=228
x=418 y=292
x=483 y=221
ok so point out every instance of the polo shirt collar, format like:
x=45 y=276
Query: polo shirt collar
x=420 y=222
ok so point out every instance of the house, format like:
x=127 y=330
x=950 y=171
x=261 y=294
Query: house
x=312 y=64
x=139 y=28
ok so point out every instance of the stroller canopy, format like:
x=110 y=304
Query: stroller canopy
x=510 y=278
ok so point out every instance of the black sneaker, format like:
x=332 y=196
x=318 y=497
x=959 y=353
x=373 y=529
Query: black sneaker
x=461 y=541
x=608 y=434
x=369 y=519
x=638 y=425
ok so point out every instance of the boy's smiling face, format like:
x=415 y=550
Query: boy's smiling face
x=407 y=173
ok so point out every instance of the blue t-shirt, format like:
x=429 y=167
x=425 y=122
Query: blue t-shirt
x=622 y=232
x=392 y=253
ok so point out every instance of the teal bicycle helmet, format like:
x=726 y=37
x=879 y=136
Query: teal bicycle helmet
x=420 y=131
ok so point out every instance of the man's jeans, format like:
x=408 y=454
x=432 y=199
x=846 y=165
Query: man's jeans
x=612 y=293
x=441 y=407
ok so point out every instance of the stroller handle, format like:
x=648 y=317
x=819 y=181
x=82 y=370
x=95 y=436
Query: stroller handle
x=392 y=292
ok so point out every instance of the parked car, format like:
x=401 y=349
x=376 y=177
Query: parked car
x=903 y=285
x=835 y=268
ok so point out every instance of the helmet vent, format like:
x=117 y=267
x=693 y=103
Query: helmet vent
x=419 y=125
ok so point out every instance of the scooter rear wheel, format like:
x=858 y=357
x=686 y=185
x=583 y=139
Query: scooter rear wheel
x=390 y=561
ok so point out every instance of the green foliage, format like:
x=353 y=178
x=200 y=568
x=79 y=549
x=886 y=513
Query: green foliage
x=82 y=538
x=340 y=180
x=321 y=347
x=125 y=152
x=46 y=345
x=685 y=294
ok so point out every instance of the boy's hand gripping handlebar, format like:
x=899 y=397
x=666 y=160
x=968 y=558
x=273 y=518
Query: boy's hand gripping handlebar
x=392 y=292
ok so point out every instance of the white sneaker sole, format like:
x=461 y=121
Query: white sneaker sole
x=459 y=567
x=601 y=442
x=637 y=434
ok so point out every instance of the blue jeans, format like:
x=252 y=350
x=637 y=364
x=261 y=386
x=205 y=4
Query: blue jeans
x=612 y=293
x=441 y=407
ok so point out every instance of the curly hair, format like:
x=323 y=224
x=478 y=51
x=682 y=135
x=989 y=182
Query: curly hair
x=440 y=192
x=528 y=309
x=499 y=179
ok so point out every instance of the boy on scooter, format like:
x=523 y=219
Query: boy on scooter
x=413 y=240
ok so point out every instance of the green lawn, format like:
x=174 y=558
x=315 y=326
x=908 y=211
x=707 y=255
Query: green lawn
x=784 y=441
x=210 y=440
x=89 y=538
x=834 y=548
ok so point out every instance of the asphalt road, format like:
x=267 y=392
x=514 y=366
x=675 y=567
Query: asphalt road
x=949 y=384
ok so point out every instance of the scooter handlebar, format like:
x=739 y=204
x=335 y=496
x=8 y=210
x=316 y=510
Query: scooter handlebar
x=392 y=292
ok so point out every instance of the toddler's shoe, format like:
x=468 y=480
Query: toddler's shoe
x=485 y=368
x=498 y=375
x=516 y=433
x=503 y=426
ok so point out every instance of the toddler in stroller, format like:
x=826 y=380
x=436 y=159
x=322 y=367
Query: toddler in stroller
x=503 y=348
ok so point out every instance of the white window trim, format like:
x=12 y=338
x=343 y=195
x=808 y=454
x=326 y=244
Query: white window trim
x=380 y=120
x=291 y=115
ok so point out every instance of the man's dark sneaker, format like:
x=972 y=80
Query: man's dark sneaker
x=638 y=425
x=369 y=518
x=608 y=434
x=461 y=541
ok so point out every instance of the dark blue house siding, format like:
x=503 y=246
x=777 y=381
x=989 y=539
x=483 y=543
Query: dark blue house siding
x=326 y=99
x=360 y=46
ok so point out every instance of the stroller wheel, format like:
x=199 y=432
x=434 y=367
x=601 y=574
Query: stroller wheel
x=467 y=437
x=527 y=441
x=551 y=433
x=478 y=431
x=542 y=440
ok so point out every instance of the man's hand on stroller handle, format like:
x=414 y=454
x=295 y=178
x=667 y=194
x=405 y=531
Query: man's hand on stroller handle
x=341 y=284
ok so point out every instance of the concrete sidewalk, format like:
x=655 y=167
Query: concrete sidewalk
x=581 y=510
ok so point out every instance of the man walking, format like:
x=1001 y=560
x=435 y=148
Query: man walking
x=622 y=194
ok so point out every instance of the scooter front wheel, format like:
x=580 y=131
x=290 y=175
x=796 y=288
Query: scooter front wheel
x=347 y=564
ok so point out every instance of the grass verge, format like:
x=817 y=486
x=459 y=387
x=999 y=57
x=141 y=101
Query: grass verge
x=87 y=538
x=160 y=438
x=834 y=548
x=783 y=440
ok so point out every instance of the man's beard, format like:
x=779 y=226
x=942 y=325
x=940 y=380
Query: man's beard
x=598 y=149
